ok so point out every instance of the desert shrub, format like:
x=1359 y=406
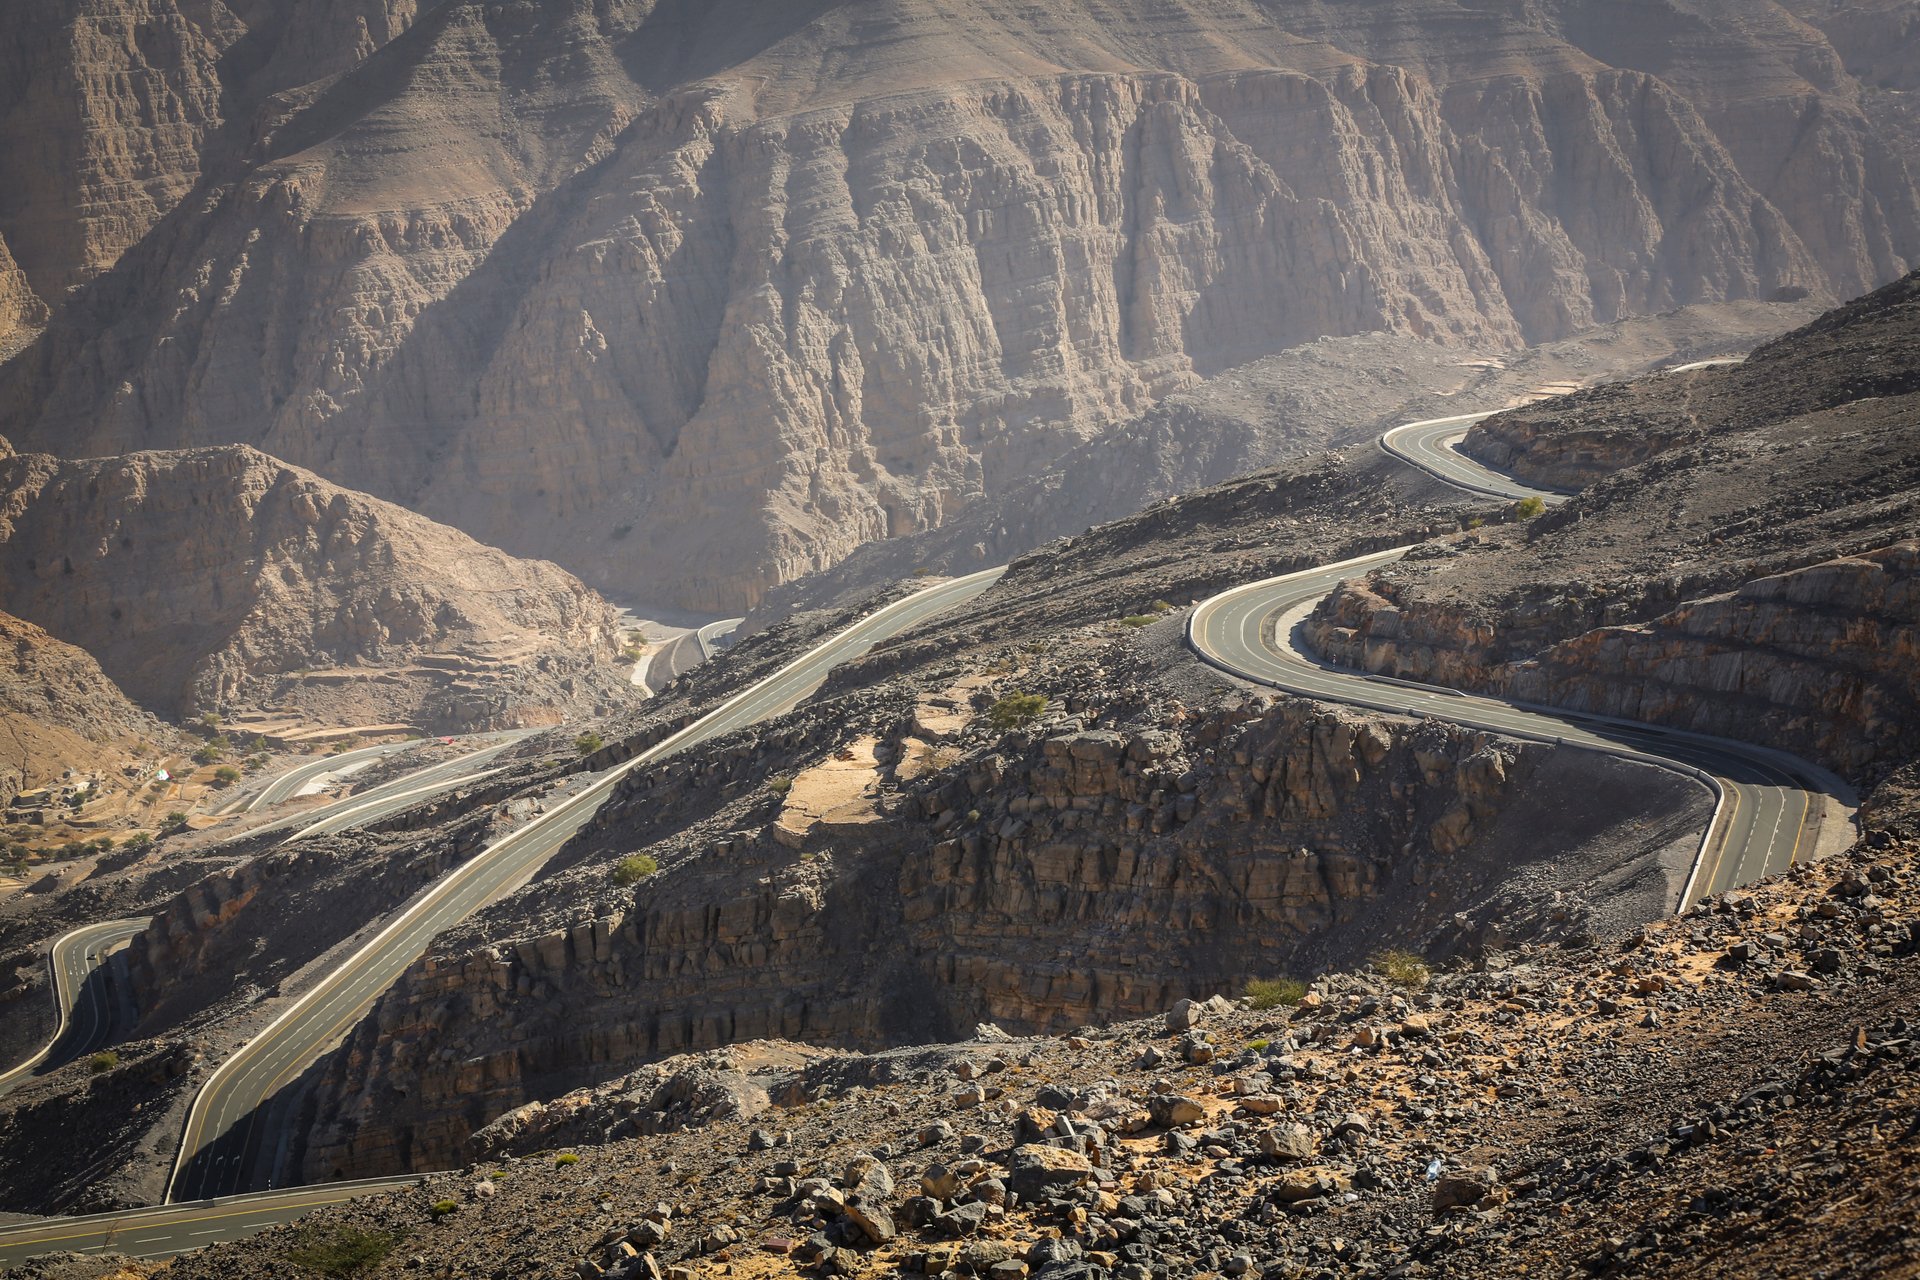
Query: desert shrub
x=634 y=868
x=208 y=754
x=1402 y=968
x=1016 y=709
x=1260 y=1045
x=588 y=743
x=441 y=1208
x=1528 y=508
x=780 y=784
x=632 y=654
x=1161 y=606
x=175 y=821
x=1138 y=620
x=341 y=1250
x=103 y=1062
x=1271 y=993
x=225 y=776
x=566 y=1158
x=139 y=840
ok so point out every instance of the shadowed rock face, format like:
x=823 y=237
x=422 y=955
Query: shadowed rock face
x=746 y=285
x=216 y=579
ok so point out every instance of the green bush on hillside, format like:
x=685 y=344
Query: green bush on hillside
x=1271 y=993
x=634 y=868
x=1016 y=709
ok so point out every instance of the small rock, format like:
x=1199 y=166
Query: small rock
x=963 y=1220
x=940 y=1182
x=871 y=1216
x=1288 y=1142
x=1465 y=1188
x=867 y=1177
x=1355 y=1122
x=1308 y=1184
x=1033 y=1171
x=1172 y=1110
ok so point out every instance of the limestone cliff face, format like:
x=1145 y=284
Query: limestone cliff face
x=1094 y=875
x=21 y=310
x=749 y=287
x=214 y=579
x=1824 y=659
x=111 y=111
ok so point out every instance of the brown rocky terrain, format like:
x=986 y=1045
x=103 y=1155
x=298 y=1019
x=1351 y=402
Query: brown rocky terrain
x=962 y=878
x=1727 y=1094
x=221 y=579
x=1752 y=577
x=697 y=299
x=59 y=713
x=1279 y=408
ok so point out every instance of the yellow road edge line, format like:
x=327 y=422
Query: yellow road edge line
x=203 y=1217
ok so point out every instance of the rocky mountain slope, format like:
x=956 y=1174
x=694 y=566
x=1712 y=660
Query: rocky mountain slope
x=1279 y=408
x=748 y=285
x=219 y=579
x=903 y=861
x=1039 y=810
x=1727 y=1094
x=1747 y=567
x=58 y=712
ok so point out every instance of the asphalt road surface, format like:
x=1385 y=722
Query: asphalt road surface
x=231 y=1136
x=288 y=784
x=400 y=793
x=687 y=651
x=165 y=1230
x=88 y=1002
x=1765 y=797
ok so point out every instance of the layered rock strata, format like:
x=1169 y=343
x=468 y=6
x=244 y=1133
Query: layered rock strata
x=590 y=278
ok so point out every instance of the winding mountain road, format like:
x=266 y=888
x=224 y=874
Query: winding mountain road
x=84 y=1003
x=163 y=1231
x=1760 y=826
x=1766 y=798
x=226 y=1136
